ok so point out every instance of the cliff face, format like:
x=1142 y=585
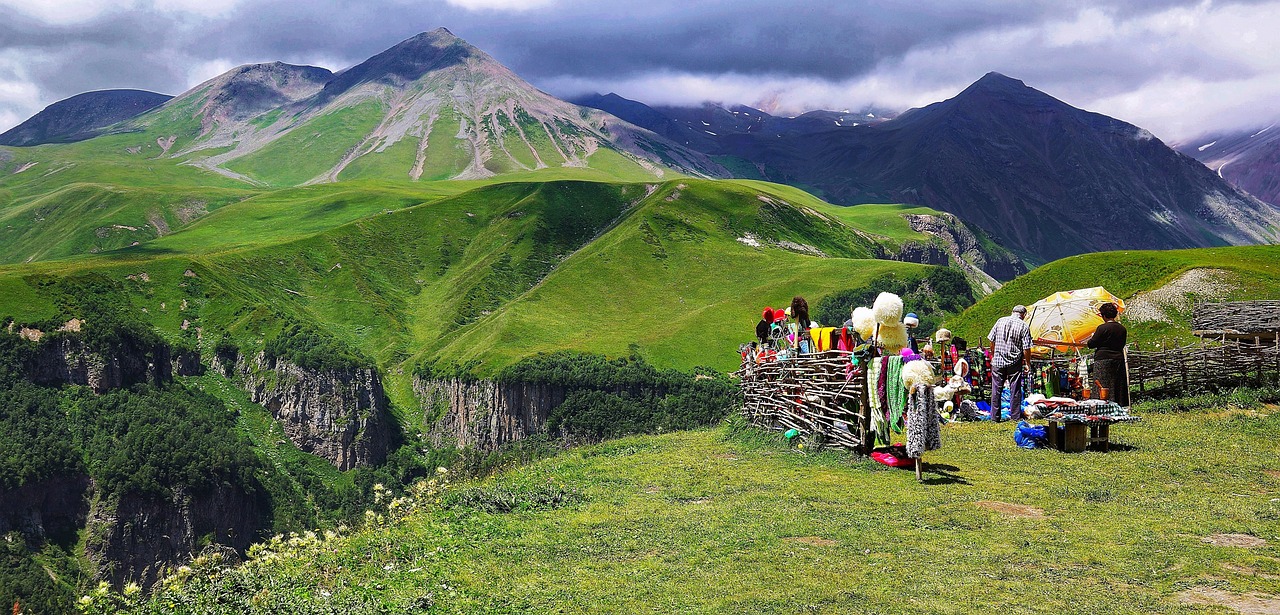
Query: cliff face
x=135 y=538
x=49 y=507
x=965 y=250
x=65 y=360
x=482 y=413
x=340 y=415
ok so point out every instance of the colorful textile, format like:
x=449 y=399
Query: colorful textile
x=893 y=456
x=897 y=394
x=924 y=427
x=822 y=338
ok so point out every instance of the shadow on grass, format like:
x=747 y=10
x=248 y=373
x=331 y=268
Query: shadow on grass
x=945 y=474
x=1115 y=447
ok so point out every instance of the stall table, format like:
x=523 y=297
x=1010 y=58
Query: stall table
x=1082 y=431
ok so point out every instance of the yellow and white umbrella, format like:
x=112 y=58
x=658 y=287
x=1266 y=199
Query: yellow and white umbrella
x=1068 y=316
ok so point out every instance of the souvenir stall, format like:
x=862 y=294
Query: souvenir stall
x=858 y=386
x=1061 y=388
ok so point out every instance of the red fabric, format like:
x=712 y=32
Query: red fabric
x=893 y=456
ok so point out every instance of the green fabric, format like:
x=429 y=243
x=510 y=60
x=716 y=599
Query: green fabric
x=896 y=391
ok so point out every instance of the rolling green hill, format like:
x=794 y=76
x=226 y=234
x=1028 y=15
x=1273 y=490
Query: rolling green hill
x=1158 y=287
x=675 y=271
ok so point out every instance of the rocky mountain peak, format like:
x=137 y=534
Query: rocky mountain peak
x=994 y=88
x=406 y=62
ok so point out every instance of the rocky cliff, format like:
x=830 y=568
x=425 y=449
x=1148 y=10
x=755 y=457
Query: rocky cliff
x=44 y=508
x=966 y=250
x=340 y=415
x=135 y=538
x=482 y=413
x=66 y=360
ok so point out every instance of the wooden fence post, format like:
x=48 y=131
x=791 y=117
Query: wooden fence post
x=1257 y=348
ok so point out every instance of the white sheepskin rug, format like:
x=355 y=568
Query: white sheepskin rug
x=893 y=336
x=864 y=322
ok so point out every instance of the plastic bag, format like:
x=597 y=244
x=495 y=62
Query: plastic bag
x=1028 y=436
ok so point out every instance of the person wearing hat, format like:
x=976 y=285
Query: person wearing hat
x=1010 y=356
x=911 y=321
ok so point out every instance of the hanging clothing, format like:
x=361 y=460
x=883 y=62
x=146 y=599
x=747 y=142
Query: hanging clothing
x=924 y=426
x=897 y=394
x=822 y=338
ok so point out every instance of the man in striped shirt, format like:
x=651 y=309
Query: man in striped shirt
x=1010 y=356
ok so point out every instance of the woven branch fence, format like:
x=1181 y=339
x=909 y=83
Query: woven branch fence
x=809 y=393
x=1193 y=369
x=1237 y=316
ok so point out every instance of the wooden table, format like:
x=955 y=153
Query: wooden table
x=1075 y=436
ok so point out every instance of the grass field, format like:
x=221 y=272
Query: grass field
x=731 y=520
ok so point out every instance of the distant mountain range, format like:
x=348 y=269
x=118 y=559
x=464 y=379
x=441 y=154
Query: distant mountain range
x=431 y=107
x=1045 y=178
x=1249 y=159
x=703 y=126
x=82 y=116
x=1038 y=175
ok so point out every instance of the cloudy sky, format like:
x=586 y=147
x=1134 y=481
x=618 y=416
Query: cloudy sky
x=1175 y=68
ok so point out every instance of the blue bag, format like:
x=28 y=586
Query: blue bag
x=1027 y=436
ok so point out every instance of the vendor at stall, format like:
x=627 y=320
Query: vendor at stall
x=1108 y=358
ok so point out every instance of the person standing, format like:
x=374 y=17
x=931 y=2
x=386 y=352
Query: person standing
x=1108 y=358
x=1010 y=357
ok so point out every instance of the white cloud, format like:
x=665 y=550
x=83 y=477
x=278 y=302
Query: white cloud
x=63 y=12
x=204 y=71
x=19 y=96
x=501 y=5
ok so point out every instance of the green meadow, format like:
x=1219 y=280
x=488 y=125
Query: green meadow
x=733 y=520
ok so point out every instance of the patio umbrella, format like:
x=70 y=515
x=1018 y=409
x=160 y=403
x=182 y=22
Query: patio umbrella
x=1068 y=316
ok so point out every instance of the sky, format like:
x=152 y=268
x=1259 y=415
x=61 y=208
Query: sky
x=1178 y=69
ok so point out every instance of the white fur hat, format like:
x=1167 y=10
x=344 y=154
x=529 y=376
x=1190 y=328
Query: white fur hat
x=917 y=372
x=888 y=309
x=864 y=322
x=893 y=336
x=943 y=335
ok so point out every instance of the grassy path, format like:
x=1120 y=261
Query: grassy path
x=725 y=521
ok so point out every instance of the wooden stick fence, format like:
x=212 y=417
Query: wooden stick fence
x=810 y=393
x=1237 y=316
x=1197 y=368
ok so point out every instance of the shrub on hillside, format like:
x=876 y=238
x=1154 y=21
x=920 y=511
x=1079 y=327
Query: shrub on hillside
x=37 y=443
x=315 y=350
x=149 y=440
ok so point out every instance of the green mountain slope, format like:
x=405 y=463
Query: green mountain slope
x=1159 y=287
x=432 y=107
x=676 y=271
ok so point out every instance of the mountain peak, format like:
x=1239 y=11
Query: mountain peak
x=995 y=88
x=994 y=83
x=407 y=61
x=999 y=80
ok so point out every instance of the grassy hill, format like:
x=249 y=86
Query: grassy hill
x=727 y=521
x=483 y=272
x=1159 y=287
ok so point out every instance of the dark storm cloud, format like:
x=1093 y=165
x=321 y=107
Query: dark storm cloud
x=599 y=43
